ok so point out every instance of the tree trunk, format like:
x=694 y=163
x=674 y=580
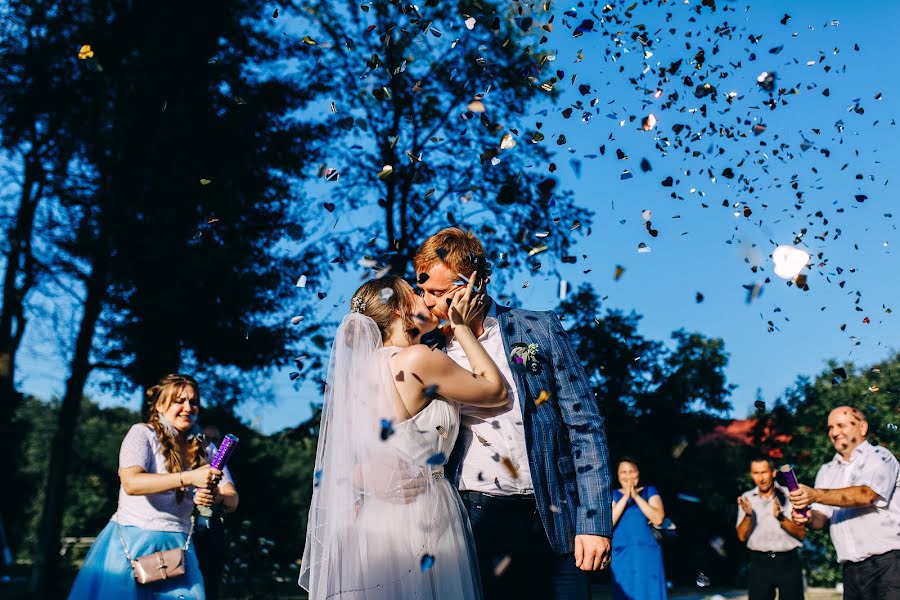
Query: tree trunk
x=17 y=281
x=46 y=554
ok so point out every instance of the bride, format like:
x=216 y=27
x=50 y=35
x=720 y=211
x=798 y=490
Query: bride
x=384 y=523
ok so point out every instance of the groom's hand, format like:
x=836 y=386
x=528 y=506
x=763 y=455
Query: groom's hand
x=592 y=552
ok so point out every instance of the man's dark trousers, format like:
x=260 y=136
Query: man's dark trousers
x=875 y=578
x=775 y=570
x=514 y=555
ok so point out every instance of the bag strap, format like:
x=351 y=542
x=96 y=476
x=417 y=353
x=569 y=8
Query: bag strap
x=187 y=543
x=121 y=537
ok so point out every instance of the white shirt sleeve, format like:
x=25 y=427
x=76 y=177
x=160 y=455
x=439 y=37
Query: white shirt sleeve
x=136 y=449
x=820 y=479
x=880 y=473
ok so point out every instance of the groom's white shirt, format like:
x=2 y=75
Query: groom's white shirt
x=493 y=434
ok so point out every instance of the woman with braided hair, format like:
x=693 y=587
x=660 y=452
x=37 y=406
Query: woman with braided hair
x=163 y=472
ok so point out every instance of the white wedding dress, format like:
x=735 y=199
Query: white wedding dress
x=386 y=547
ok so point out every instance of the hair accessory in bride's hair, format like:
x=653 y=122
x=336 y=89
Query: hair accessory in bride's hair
x=357 y=305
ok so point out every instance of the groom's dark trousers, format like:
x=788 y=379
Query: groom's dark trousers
x=514 y=555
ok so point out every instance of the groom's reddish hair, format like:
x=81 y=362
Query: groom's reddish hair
x=460 y=250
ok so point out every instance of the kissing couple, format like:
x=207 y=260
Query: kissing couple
x=479 y=472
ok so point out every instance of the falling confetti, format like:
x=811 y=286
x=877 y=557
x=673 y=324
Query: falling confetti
x=387 y=429
x=426 y=563
x=789 y=261
x=437 y=459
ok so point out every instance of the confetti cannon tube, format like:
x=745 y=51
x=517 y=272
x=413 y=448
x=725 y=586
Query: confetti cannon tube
x=790 y=479
x=220 y=460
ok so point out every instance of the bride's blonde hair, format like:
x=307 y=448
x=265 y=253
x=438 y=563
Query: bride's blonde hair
x=373 y=300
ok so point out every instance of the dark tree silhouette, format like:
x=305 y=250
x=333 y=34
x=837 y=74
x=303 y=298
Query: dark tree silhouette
x=426 y=129
x=187 y=150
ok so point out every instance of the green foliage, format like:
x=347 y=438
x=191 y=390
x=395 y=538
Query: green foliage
x=92 y=479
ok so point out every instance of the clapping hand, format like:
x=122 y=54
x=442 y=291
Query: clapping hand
x=776 y=507
x=744 y=503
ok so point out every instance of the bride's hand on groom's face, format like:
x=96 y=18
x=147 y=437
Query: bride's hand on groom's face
x=466 y=303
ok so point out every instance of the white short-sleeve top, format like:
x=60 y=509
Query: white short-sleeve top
x=861 y=532
x=156 y=512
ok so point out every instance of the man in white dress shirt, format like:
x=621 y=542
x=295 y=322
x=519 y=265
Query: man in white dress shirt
x=764 y=523
x=857 y=493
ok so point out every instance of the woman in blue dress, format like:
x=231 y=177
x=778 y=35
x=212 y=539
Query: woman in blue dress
x=637 y=562
x=163 y=474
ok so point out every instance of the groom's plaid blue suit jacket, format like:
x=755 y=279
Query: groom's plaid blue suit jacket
x=565 y=436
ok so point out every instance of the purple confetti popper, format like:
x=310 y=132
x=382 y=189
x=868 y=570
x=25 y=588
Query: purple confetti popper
x=223 y=454
x=790 y=479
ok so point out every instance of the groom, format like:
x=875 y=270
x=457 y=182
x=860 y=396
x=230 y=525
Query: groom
x=534 y=474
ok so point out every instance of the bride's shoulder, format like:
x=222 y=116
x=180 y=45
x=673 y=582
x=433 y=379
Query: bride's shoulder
x=417 y=355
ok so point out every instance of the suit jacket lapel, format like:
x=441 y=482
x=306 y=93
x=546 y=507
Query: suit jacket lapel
x=505 y=319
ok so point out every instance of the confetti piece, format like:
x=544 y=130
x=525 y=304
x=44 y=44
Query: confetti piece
x=437 y=459
x=387 y=429
x=542 y=397
x=502 y=565
x=85 y=52
x=789 y=261
x=510 y=467
x=301 y=282
x=426 y=563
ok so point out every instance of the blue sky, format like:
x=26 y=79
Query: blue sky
x=704 y=249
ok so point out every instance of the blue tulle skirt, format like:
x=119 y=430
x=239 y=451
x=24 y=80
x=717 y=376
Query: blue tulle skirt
x=106 y=573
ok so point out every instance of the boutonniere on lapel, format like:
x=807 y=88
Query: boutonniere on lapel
x=525 y=357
